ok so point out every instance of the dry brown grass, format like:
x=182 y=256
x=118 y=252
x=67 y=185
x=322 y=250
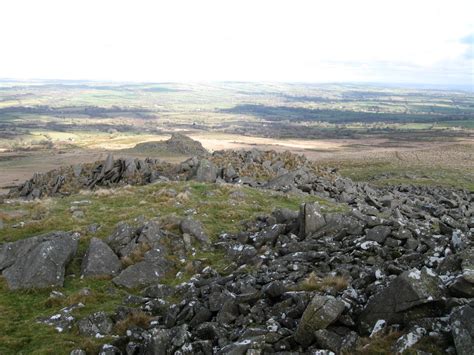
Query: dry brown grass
x=135 y=319
x=136 y=256
x=379 y=344
x=315 y=283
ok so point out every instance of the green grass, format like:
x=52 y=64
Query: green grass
x=409 y=174
x=212 y=205
x=20 y=333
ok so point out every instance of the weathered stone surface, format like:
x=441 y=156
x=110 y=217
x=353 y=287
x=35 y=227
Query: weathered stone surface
x=274 y=289
x=100 y=260
x=461 y=288
x=39 y=262
x=311 y=219
x=96 y=323
x=467 y=264
x=378 y=233
x=410 y=289
x=144 y=273
x=462 y=328
x=321 y=312
x=206 y=171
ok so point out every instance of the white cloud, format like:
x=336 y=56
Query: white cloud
x=290 y=40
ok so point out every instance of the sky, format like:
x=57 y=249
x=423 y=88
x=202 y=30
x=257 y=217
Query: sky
x=388 y=41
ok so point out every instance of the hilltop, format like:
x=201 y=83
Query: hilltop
x=236 y=252
x=178 y=144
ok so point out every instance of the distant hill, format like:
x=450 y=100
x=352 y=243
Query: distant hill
x=178 y=144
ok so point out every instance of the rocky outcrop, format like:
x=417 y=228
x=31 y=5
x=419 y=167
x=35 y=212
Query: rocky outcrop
x=178 y=144
x=278 y=171
x=148 y=248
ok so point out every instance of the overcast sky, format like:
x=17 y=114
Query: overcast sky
x=397 y=41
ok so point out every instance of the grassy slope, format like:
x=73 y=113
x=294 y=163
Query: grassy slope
x=409 y=174
x=213 y=204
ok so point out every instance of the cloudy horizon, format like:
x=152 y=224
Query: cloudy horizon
x=422 y=42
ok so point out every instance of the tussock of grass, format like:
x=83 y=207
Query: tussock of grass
x=136 y=256
x=134 y=319
x=314 y=283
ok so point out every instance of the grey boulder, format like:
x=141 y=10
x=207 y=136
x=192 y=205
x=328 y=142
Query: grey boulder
x=144 y=273
x=206 y=171
x=462 y=328
x=411 y=289
x=319 y=314
x=378 y=233
x=39 y=262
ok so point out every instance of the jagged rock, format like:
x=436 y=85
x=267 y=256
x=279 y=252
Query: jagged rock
x=195 y=229
x=268 y=235
x=321 y=312
x=412 y=288
x=289 y=181
x=121 y=239
x=38 y=262
x=96 y=323
x=462 y=327
x=100 y=260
